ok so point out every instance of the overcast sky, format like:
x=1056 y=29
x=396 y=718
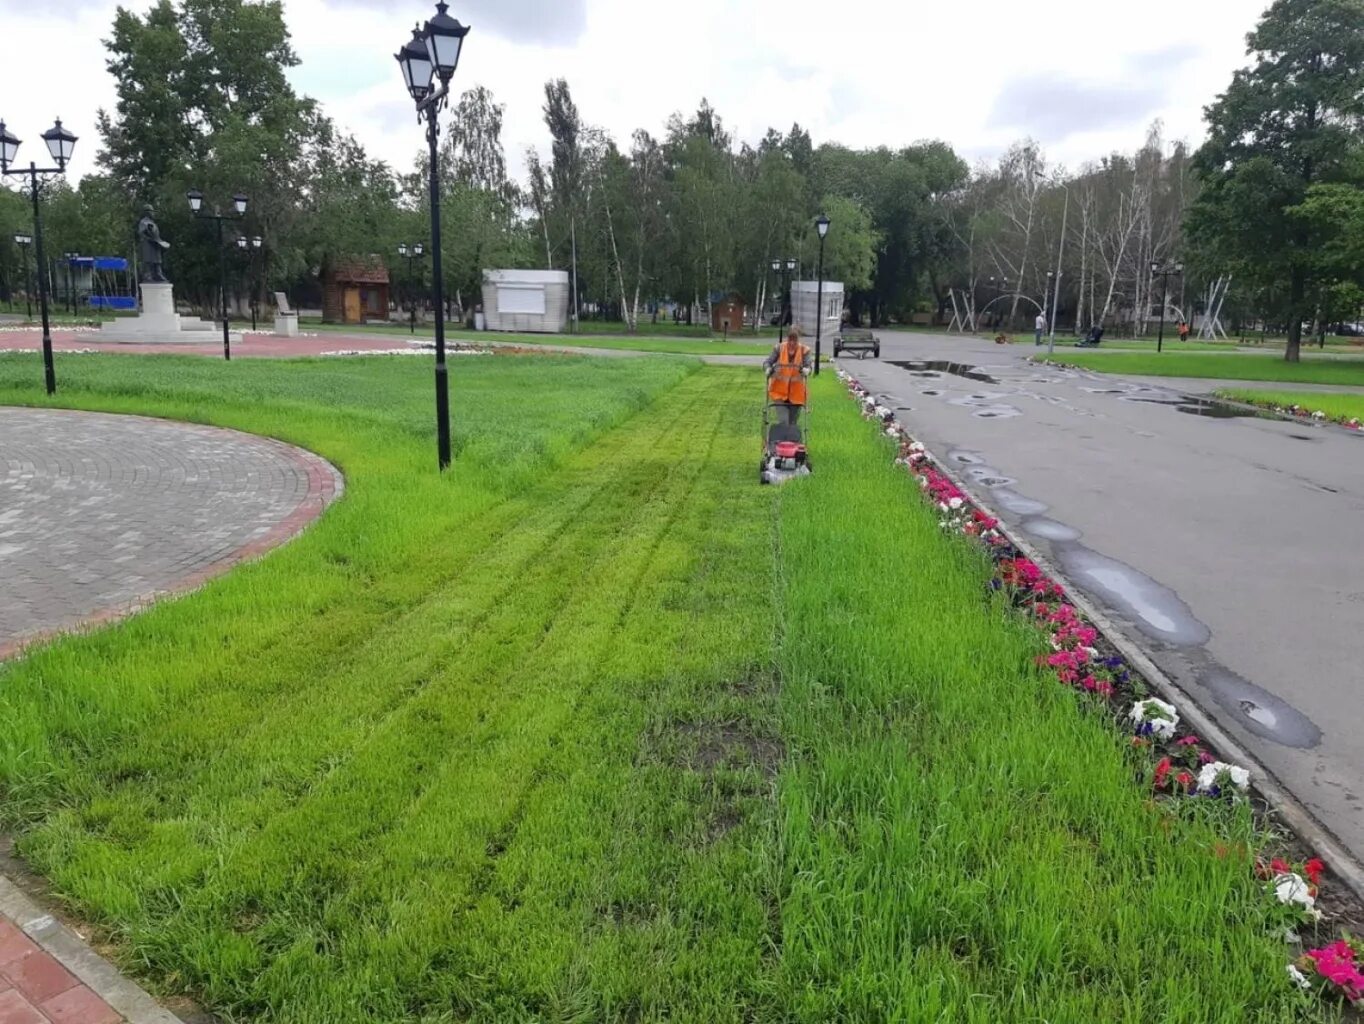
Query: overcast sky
x=1084 y=77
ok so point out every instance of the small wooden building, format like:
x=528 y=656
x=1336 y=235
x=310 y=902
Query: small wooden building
x=355 y=290
x=727 y=315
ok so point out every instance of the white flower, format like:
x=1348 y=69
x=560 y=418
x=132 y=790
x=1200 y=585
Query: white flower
x=1162 y=717
x=1291 y=888
x=917 y=446
x=1298 y=978
x=955 y=503
x=1210 y=773
x=1319 y=415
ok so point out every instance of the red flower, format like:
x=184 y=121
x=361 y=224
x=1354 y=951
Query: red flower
x=1184 y=779
x=1163 y=771
x=1314 y=869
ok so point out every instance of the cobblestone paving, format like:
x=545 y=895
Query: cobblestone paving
x=99 y=513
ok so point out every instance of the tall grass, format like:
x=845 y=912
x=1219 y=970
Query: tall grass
x=961 y=839
x=597 y=729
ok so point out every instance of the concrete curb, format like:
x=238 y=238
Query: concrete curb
x=71 y=951
x=1297 y=817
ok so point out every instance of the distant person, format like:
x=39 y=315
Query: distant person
x=1041 y=326
x=1183 y=331
x=1096 y=335
x=788 y=366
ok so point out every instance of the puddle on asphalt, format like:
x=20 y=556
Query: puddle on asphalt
x=997 y=412
x=1157 y=610
x=927 y=369
x=997 y=481
x=1050 y=529
x=1191 y=406
x=967 y=458
x=1016 y=504
x=988 y=398
x=1259 y=710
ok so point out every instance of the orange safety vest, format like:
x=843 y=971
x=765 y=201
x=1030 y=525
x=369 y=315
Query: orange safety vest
x=787 y=384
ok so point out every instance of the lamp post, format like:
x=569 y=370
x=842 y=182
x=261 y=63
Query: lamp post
x=196 y=206
x=23 y=242
x=433 y=54
x=60 y=144
x=250 y=246
x=822 y=226
x=411 y=253
x=1165 y=273
x=69 y=258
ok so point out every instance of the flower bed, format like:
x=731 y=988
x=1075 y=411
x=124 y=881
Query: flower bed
x=1179 y=767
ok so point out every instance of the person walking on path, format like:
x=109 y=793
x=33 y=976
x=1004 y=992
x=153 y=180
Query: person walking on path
x=1041 y=326
x=1183 y=330
x=787 y=367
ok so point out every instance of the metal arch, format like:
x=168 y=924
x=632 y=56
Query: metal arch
x=1016 y=295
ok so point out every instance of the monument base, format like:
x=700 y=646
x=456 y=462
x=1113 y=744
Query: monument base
x=160 y=324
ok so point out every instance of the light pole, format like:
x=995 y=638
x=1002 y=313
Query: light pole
x=822 y=226
x=784 y=269
x=250 y=246
x=70 y=258
x=411 y=253
x=431 y=54
x=196 y=206
x=60 y=143
x=1164 y=273
x=23 y=242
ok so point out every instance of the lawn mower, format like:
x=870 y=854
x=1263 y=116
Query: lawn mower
x=784 y=453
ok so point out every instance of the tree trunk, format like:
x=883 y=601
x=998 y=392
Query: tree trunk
x=1292 y=353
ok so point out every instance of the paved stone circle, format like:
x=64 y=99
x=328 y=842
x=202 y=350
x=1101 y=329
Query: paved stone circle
x=101 y=513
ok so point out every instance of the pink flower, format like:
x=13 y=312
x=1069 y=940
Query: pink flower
x=1206 y=758
x=1187 y=741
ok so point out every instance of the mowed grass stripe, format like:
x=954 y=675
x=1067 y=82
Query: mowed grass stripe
x=302 y=719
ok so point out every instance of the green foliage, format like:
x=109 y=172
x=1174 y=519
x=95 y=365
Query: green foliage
x=1285 y=124
x=851 y=248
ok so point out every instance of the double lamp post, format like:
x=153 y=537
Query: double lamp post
x=251 y=246
x=428 y=63
x=196 y=206
x=412 y=253
x=1164 y=273
x=60 y=144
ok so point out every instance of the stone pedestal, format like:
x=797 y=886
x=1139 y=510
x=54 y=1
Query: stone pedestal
x=159 y=323
x=286 y=325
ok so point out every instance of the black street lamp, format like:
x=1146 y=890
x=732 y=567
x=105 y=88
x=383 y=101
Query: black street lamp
x=822 y=226
x=196 y=206
x=23 y=242
x=411 y=253
x=250 y=246
x=60 y=144
x=784 y=269
x=432 y=54
x=1165 y=273
x=70 y=258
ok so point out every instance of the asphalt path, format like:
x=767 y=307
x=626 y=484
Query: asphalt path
x=1226 y=547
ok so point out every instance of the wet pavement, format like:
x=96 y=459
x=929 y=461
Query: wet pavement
x=1223 y=542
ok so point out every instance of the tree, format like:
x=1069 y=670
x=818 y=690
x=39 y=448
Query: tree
x=1285 y=124
x=850 y=249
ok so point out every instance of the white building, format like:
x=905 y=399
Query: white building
x=526 y=301
x=805 y=301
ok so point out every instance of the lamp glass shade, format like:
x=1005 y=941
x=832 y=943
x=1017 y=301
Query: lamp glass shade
x=257 y=242
x=402 y=248
x=9 y=146
x=822 y=226
x=444 y=37
x=776 y=266
x=419 y=249
x=415 y=61
x=1179 y=267
x=60 y=143
x=791 y=265
x=196 y=200
x=240 y=201
x=241 y=243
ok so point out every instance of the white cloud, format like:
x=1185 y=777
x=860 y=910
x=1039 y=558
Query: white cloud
x=1082 y=77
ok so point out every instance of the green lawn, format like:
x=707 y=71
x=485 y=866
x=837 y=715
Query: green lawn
x=595 y=728
x=1226 y=367
x=1335 y=406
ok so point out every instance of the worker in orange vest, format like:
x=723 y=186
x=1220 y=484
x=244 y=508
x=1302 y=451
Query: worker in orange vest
x=787 y=367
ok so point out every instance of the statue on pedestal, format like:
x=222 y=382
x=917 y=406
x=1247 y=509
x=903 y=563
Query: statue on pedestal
x=150 y=249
